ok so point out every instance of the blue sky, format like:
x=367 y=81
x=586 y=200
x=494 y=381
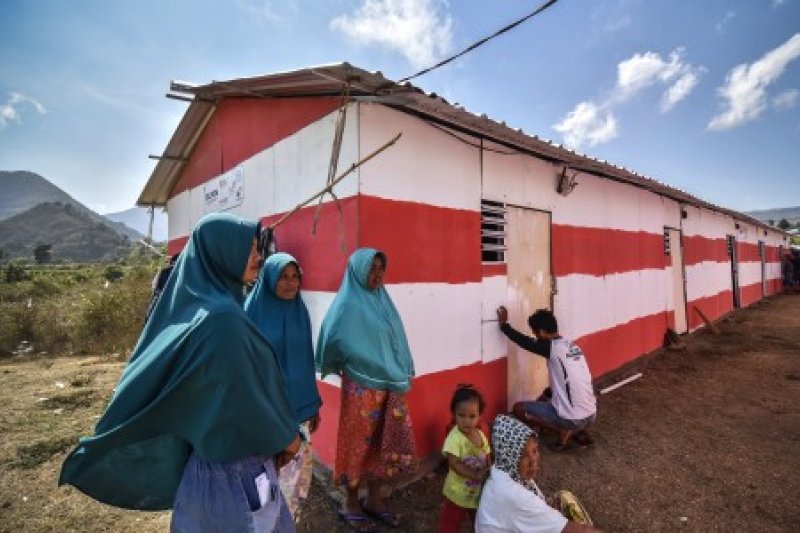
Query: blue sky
x=704 y=96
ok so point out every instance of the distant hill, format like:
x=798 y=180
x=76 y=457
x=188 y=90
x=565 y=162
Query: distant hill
x=23 y=190
x=791 y=214
x=73 y=234
x=138 y=218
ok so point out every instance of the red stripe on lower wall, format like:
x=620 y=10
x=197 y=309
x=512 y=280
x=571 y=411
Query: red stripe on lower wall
x=600 y=251
x=487 y=271
x=611 y=348
x=697 y=249
x=750 y=294
x=243 y=127
x=424 y=243
x=429 y=402
x=712 y=306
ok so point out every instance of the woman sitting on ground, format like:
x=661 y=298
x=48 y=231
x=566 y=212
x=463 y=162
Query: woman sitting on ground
x=511 y=502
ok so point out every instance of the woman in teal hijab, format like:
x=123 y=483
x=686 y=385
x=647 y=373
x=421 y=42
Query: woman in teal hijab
x=201 y=409
x=277 y=309
x=362 y=339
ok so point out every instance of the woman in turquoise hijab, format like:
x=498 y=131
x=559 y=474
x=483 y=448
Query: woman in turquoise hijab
x=362 y=340
x=277 y=309
x=201 y=409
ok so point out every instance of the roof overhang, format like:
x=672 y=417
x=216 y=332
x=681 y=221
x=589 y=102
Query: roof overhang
x=362 y=85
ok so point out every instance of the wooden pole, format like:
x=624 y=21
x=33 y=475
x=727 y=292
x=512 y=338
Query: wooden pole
x=711 y=326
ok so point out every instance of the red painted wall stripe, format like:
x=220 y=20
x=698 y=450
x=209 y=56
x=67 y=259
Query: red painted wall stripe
x=748 y=252
x=323 y=255
x=712 y=306
x=423 y=243
x=599 y=251
x=750 y=293
x=500 y=269
x=176 y=245
x=429 y=402
x=243 y=127
x=697 y=249
x=611 y=348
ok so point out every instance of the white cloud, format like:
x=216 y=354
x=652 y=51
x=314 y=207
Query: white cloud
x=414 y=28
x=586 y=125
x=745 y=86
x=592 y=123
x=777 y=3
x=10 y=111
x=786 y=100
x=722 y=24
x=643 y=70
x=678 y=90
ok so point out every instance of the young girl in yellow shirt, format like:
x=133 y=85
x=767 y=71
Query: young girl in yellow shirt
x=467 y=452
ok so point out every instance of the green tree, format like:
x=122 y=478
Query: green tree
x=43 y=253
x=783 y=224
x=2 y=255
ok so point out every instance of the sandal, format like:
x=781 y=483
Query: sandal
x=358 y=521
x=386 y=516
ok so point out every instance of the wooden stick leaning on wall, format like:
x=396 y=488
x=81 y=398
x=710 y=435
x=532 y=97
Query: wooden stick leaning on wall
x=711 y=326
x=329 y=188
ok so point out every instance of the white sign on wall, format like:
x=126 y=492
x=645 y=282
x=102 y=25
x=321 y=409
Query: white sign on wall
x=224 y=192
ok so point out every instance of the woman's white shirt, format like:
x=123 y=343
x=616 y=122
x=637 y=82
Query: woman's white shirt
x=506 y=506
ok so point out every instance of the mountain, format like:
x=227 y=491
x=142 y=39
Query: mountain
x=23 y=190
x=138 y=218
x=73 y=234
x=791 y=214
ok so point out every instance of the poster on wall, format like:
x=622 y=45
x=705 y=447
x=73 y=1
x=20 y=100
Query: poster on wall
x=224 y=192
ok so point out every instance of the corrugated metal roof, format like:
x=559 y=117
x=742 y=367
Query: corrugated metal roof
x=329 y=80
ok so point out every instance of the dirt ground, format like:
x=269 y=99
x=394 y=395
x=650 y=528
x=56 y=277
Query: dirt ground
x=707 y=440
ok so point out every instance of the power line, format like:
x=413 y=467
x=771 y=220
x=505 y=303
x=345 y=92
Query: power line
x=482 y=41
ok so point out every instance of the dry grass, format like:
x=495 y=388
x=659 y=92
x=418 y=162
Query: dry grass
x=46 y=406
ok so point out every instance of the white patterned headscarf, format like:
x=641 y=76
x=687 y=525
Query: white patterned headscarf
x=509 y=437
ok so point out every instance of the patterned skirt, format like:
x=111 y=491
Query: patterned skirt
x=375 y=439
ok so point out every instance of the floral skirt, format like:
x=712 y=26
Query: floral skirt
x=375 y=438
x=295 y=476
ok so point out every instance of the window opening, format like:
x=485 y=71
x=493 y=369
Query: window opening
x=493 y=231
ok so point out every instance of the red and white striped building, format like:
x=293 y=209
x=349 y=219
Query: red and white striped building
x=469 y=215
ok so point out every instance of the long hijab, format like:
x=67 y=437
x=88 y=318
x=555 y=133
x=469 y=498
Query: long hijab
x=287 y=326
x=509 y=437
x=201 y=379
x=362 y=334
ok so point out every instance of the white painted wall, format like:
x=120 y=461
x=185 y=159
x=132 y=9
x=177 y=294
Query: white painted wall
x=426 y=165
x=281 y=176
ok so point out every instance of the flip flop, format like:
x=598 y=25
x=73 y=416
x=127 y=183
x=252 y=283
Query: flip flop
x=386 y=517
x=358 y=521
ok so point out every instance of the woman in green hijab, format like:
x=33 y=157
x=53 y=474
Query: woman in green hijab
x=362 y=340
x=201 y=410
x=276 y=307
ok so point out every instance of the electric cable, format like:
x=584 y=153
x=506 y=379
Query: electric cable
x=482 y=41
